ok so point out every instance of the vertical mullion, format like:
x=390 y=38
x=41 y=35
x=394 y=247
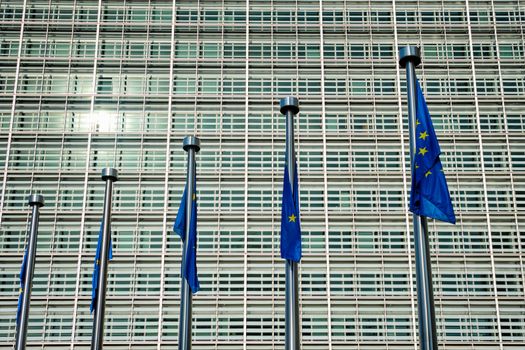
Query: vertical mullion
x=86 y=176
x=13 y=109
x=483 y=177
x=246 y=177
x=166 y=177
x=325 y=179
x=405 y=181
x=507 y=144
x=45 y=326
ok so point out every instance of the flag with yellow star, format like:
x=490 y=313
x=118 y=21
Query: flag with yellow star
x=290 y=222
x=96 y=268
x=189 y=265
x=429 y=191
x=23 y=269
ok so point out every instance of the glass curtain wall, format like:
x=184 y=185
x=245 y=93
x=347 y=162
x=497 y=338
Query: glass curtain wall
x=88 y=84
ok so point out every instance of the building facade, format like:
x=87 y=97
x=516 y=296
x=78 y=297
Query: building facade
x=90 y=84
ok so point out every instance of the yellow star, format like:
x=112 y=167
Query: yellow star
x=428 y=173
x=21 y=291
x=194 y=196
x=417 y=166
x=292 y=218
x=98 y=262
x=417 y=122
x=422 y=151
x=423 y=135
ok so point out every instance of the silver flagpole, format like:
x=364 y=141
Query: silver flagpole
x=410 y=58
x=35 y=201
x=191 y=144
x=290 y=107
x=109 y=175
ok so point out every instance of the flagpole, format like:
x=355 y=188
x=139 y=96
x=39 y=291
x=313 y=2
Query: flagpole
x=109 y=175
x=410 y=58
x=290 y=107
x=35 y=201
x=191 y=144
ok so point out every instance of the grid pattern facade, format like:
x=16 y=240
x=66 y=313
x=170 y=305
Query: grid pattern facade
x=90 y=84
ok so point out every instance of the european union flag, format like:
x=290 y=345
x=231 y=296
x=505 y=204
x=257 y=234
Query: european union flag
x=189 y=266
x=22 y=286
x=429 y=191
x=290 y=222
x=96 y=269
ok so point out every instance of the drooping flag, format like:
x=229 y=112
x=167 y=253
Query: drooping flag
x=290 y=222
x=22 y=289
x=189 y=266
x=96 y=268
x=429 y=191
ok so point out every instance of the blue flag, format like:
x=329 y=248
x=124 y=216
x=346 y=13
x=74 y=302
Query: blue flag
x=290 y=222
x=22 y=286
x=96 y=268
x=189 y=266
x=429 y=191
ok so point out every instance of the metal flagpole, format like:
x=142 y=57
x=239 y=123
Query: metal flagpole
x=410 y=58
x=35 y=201
x=290 y=107
x=109 y=175
x=191 y=144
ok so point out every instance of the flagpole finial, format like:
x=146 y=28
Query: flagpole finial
x=36 y=199
x=409 y=53
x=191 y=142
x=289 y=103
x=109 y=174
